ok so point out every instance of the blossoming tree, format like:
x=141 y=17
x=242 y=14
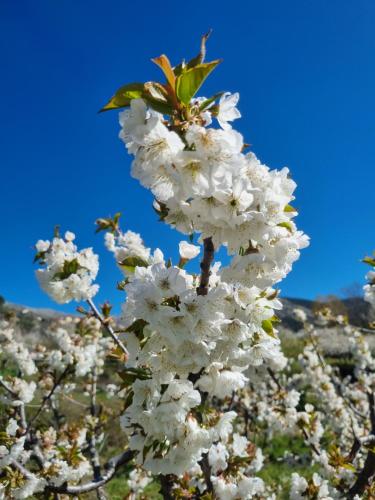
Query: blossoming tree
x=198 y=355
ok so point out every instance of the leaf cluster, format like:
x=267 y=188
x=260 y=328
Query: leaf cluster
x=173 y=97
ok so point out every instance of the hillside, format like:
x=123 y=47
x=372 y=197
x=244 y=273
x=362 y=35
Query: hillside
x=32 y=322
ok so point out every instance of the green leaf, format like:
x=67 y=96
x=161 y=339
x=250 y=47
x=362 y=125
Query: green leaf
x=158 y=98
x=160 y=107
x=130 y=263
x=165 y=65
x=70 y=267
x=209 y=101
x=161 y=209
x=189 y=82
x=137 y=328
x=156 y=91
x=268 y=327
x=124 y=95
x=289 y=208
x=287 y=226
x=110 y=224
x=349 y=467
x=369 y=260
x=130 y=375
x=40 y=257
x=177 y=70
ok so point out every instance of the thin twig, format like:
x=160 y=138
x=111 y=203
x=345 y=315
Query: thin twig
x=108 y=327
x=8 y=389
x=206 y=469
x=166 y=483
x=47 y=398
x=94 y=454
x=110 y=469
x=365 y=477
x=208 y=257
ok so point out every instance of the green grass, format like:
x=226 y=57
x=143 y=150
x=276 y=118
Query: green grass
x=118 y=488
x=291 y=346
x=277 y=469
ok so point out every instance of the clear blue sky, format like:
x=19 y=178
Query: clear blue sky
x=304 y=69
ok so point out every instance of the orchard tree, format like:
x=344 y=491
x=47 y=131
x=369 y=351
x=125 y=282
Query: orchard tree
x=194 y=364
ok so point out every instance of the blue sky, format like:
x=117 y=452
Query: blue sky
x=305 y=72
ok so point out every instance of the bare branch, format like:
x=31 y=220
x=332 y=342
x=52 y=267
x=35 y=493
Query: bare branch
x=108 y=327
x=205 y=265
x=167 y=483
x=110 y=469
x=91 y=437
x=366 y=476
x=47 y=398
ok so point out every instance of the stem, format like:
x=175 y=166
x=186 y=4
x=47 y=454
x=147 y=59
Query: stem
x=208 y=257
x=107 y=327
x=206 y=469
x=47 y=398
x=94 y=454
x=366 y=475
x=110 y=467
x=166 y=483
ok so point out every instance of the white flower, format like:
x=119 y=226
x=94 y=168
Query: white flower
x=221 y=383
x=298 y=487
x=217 y=457
x=224 y=489
x=68 y=273
x=188 y=251
x=227 y=109
x=42 y=245
x=250 y=486
x=12 y=427
x=300 y=314
x=69 y=236
x=239 y=445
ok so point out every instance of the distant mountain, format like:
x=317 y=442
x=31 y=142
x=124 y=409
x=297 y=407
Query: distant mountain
x=33 y=321
x=358 y=311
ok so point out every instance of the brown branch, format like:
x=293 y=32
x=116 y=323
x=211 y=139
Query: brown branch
x=166 y=483
x=91 y=437
x=365 y=477
x=208 y=257
x=354 y=450
x=110 y=468
x=307 y=437
x=47 y=398
x=108 y=327
x=206 y=469
x=274 y=378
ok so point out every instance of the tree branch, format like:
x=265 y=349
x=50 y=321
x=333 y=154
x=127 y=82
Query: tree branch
x=110 y=467
x=108 y=327
x=206 y=469
x=47 y=398
x=167 y=483
x=91 y=437
x=208 y=257
x=365 y=477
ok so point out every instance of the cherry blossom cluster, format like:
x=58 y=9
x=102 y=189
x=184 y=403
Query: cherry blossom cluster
x=192 y=371
x=67 y=274
x=41 y=380
x=369 y=288
x=341 y=410
x=203 y=182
